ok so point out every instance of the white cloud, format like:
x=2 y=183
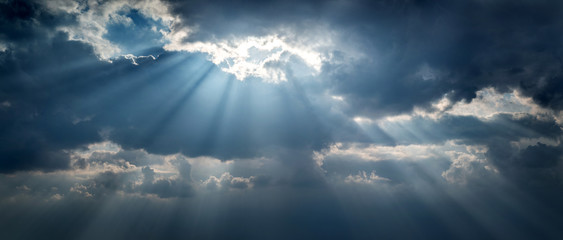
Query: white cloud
x=363 y=177
x=466 y=160
x=81 y=190
x=251 y=56
x=468 y=165
x=490 y=102
x=3 y=47
x=100 y=147
x=227 y=181
x=94 y=16
x=56 y=197
x=134 y=58
x=487 y=103
x=266 y=56
x=373 y=152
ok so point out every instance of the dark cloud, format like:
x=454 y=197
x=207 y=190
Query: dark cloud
x=501 y=134
x=167 y=188
x=182 y=186
x=57 y=98
x=121 y=158
x=24 y=22
x=62 y=97
x=241 y=18
x=471 y=130
x=38 y=123
x=466 y=45
x=360 y=212
x=427 y=34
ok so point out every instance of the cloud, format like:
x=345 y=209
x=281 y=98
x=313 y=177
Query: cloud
x=226 y=181
x=94 y=18
x=264 y=57
x=468 y=166
x=166 y=188
x=363 y=177
x=422 y=50
x=68 y=112
x=355 y=119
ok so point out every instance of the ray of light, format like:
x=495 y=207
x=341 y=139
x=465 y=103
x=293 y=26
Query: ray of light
x=215 y=127
x=174 y=109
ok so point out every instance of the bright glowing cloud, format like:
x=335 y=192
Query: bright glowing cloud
x=363 y=177
x=466 y=160
x=264 y=57
x=487 y=103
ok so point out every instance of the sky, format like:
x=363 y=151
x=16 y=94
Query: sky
x=281 y=119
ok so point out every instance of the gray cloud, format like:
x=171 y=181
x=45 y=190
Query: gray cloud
x=464 y=46
x=170 y=146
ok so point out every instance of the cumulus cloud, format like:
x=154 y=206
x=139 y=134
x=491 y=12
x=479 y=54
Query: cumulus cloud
x=259 y=57
x=466 y=162
x=168 y=187
x=226 y=181
x=94 y=17
x=466 y=166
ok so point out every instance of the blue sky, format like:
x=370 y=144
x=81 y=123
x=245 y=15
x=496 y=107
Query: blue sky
x=169 y=119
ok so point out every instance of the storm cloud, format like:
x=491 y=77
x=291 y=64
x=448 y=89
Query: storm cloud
x=281 y=119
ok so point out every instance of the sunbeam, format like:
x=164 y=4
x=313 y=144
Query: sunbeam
x=176 y=119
